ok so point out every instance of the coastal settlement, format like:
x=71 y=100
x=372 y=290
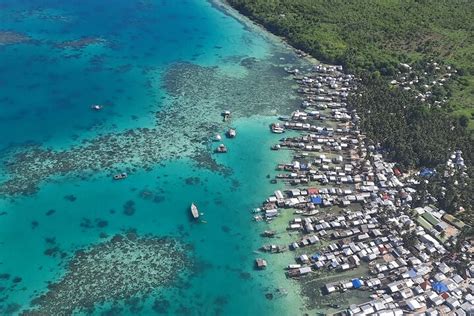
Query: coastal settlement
x=350 y=210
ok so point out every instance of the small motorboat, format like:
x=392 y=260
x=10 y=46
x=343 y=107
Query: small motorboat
x=221 y=149
x=231 y=133
x=268 y=233
x=120 y=176
x=96 y=107
x=256 y=210
x=226 y=115
x=277 y=128
x=275 y=147
x=218 y=137
x=194 y=211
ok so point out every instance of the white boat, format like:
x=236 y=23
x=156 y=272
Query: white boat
x=226 y=115
x=120 y=176
x=231 y=133
x=277 y=128
x=221 y=149
x=194 y=211
x=96 y=107
x=218 y=137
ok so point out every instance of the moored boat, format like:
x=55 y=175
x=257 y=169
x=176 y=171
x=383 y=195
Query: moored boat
x=273 y=248
x=231 y=133
x=96 y=107
x=194 y=211
x=120 y=176
x=268 y=233
x=226 y=115
x=221 y=149
x=277 y=128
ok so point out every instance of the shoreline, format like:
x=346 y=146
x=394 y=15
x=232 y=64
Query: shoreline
x=304 y=305
x=349 y=217
x=369 y=220
x=310 y=172
x=225 y=7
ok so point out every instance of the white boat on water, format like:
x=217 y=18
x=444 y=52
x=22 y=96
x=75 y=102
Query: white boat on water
x=120 y=176
x=231 y=133
x=277 y=128
x=218 y=137
x=194 y=211
x=221 y=149
x=226 y=115
x=96 y=107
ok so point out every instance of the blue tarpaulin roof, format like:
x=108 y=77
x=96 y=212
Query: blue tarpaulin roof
x=316 y=199
x=427 y=172
x=412 y=273
x=356 y=283
x=439 y=287
x=316 y=256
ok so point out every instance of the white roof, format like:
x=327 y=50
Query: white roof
x=413 y=304
x=305 y=270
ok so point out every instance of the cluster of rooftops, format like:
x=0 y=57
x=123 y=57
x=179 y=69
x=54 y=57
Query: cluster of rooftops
x=353 y=208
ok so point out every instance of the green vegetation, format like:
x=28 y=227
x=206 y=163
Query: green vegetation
x=371 y=38
x=375 y=36
x=413 y=134
x=453 y=194
x=409 y=239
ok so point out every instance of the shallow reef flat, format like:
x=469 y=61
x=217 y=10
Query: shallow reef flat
x=81 y=43
x=10 y=38
x=125 y=266
x=192 y=114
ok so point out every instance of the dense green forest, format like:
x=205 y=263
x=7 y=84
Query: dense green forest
x=415 y=135
x=377 y=35
x=412 y=133
x=371 y=38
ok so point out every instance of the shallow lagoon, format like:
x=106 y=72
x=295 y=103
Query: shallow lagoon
x=171 y=67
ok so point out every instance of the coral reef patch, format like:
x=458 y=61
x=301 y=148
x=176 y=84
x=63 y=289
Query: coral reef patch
x=122 y=268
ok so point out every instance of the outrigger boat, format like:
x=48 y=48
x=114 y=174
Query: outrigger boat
x=120 y=176
x=194 y=211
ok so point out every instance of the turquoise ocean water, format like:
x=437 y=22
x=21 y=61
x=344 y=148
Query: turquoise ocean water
x=119 y=54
